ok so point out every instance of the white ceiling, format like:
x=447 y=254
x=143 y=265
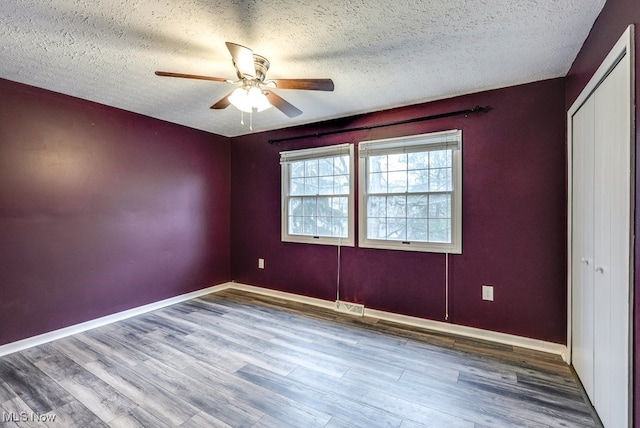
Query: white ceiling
x=379 y=53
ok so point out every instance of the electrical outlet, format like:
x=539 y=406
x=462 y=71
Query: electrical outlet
x=487 y=292
x=260 y=263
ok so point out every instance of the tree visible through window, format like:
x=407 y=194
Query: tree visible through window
x=317 y=192
x=409 y=193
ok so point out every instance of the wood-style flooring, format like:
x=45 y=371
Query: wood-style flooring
x=233 y=359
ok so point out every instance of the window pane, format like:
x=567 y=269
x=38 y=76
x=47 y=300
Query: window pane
x=324 y=226
x=325 y=166
x=397 y=229
x=397 y=162
x=295 y=225
x=417 y=206
x=340 y=206
x=378 y=182
x=341 y=165
x=440 y=159
x=297 y=169
x=311 y=168
x=440 y=206
x=439 y=230
x=325 y=186
x=440 y=180
x=377 y=206
x=398 y=182
x=341 y=185
x=323 y=207
x=340 y=227
x=418 y=180
x=397 y=206
x=297 y=186
x=419 y=160
x=377 y=228
x=378 y=163
x=309 y=206
x=311 y=186
x=417 y=230
x=295 y=206
x=309 y=226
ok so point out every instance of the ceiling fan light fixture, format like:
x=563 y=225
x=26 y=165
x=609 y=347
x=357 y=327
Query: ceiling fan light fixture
x=249 y=99
x=255 y=92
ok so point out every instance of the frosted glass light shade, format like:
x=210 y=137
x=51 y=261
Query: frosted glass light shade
x=249 y=99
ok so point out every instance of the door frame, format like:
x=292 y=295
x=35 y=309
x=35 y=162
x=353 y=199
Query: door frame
x=623 y=47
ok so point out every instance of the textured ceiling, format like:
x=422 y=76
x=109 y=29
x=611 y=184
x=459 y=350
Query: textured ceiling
x=380 y=54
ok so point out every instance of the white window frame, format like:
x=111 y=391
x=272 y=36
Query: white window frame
x=286 y=158
x=451 y=139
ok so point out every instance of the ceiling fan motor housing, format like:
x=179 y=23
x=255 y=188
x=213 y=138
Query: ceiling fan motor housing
x=262 y=65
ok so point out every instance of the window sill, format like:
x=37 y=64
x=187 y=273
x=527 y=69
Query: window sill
x=424 y=247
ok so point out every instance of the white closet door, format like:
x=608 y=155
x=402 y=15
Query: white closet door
x=603 y=358
x=612 y=239
x=601 y=235
x=582 y=245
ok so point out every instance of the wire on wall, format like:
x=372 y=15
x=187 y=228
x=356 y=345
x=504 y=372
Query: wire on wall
x=338 y=276
x=467 y=112
x=446 y=286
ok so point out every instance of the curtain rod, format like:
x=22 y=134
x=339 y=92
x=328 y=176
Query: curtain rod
x=476 y=109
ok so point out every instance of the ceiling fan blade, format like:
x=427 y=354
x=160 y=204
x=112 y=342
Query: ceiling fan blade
x=242 y=59
x=308 y=84
x=222 y=103
x=190 y=76
x=283 y=105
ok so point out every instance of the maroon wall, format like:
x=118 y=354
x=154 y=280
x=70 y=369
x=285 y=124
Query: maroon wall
x=615 y=17
x=103 y=210
x=514 y=219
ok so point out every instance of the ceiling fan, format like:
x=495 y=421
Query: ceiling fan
x=254 y=92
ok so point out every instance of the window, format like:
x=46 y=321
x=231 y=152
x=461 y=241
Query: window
x=317 y=195
x=410 y=193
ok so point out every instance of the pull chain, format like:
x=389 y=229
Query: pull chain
x=250 y=119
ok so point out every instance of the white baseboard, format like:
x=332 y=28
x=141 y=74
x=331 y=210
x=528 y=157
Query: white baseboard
x=476 y=333
x=99 y=322
x=472 y=332
x=282 y=295
x=459 y=330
